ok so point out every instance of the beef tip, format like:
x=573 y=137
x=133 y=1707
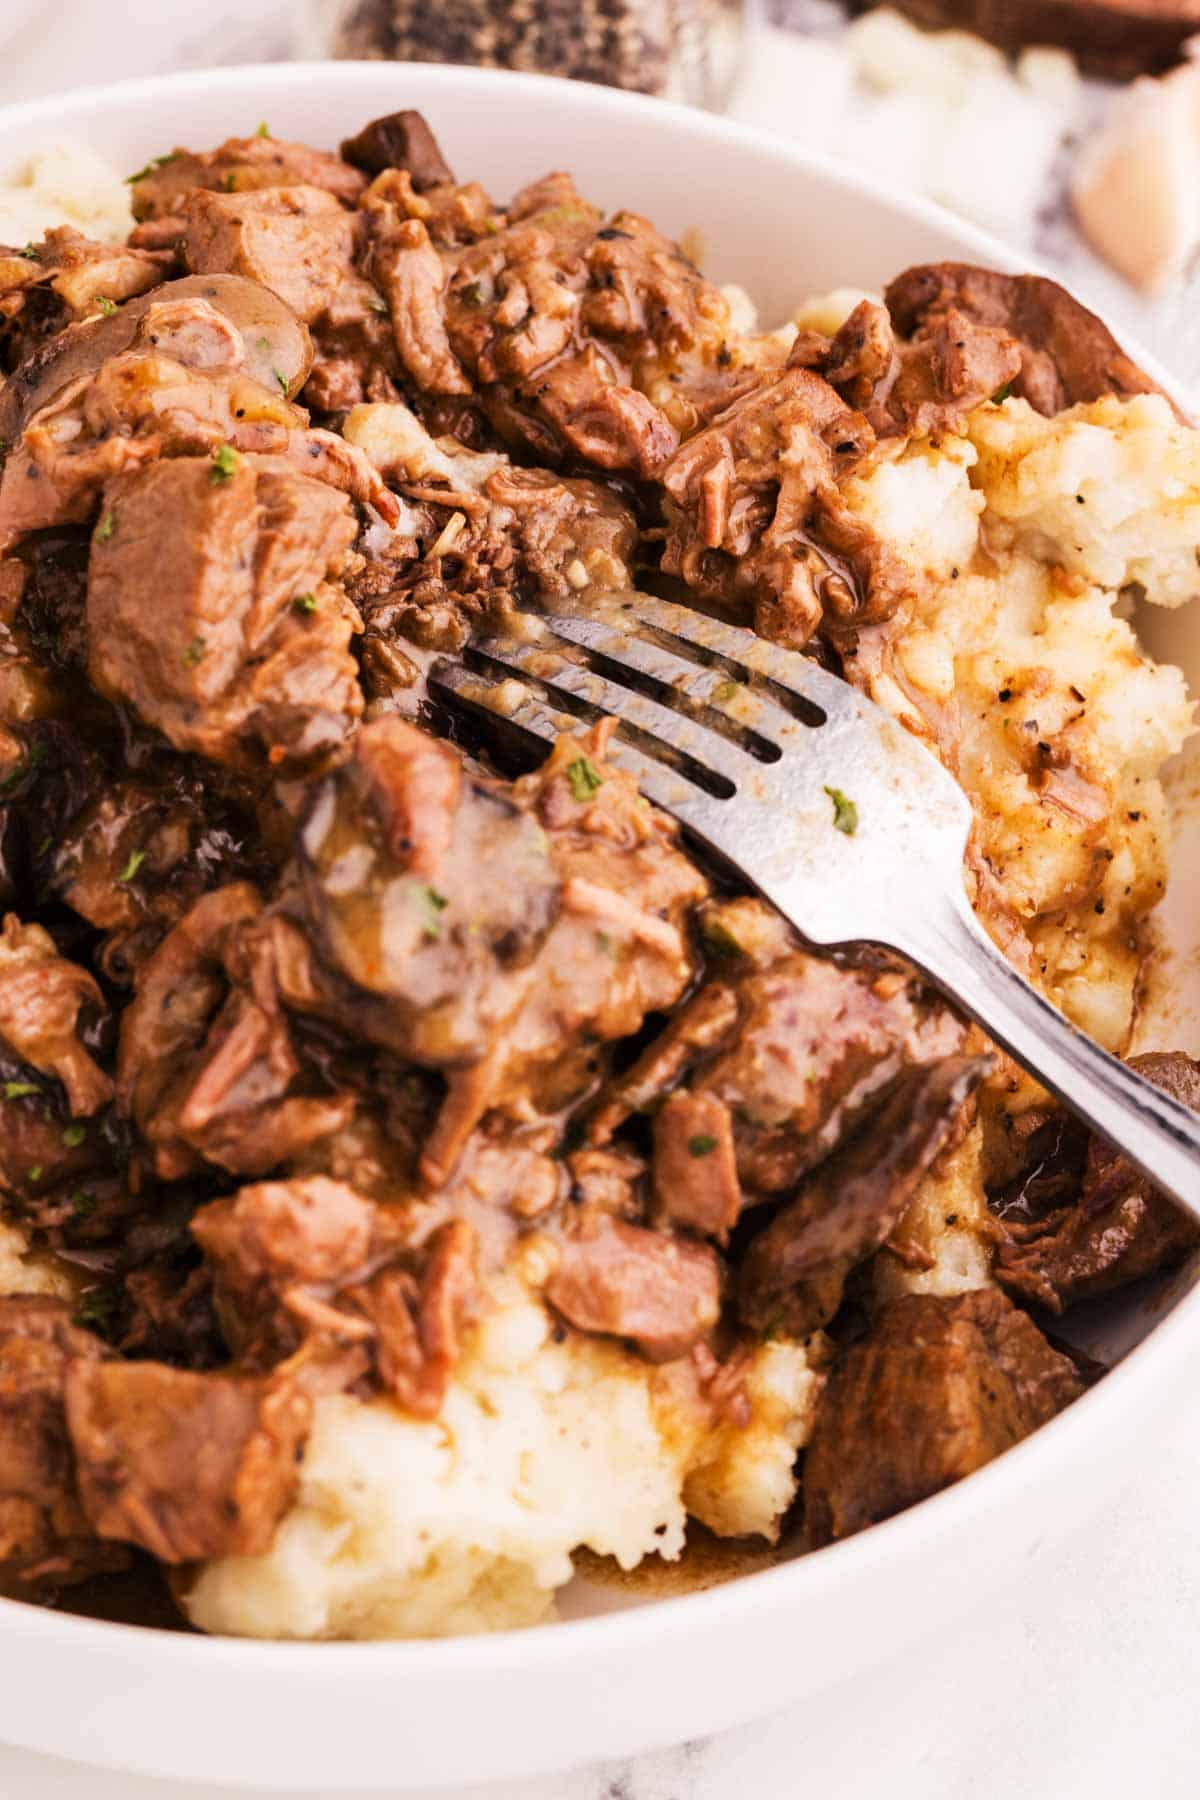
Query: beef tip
x=239 y=166
x=794 y=1272
x=181 y=1464
x=391 y=852
x=695 y=1164
x=234 y=642
x=399 y=140
x=272 y=1239
x=296 y=241
x=312 y=1258
x=755 y=518
x=498 y=983
x=302 y=245
x=799 y=1051
x=923 y=386
x=275 y=347
x=1067 y=354
x=182 y=387
x=659 y=1291
x=207 y=1068
x=938 y=1387
x=46 y=1541
x=605 y=422
x=1117 y=1228
x=42 y=996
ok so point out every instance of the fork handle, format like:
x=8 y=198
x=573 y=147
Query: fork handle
x=1154 y=1131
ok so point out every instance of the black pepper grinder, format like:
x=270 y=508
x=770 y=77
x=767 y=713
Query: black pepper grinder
x=682 y=49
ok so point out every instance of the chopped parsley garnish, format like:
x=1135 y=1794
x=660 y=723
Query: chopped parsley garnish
x=29 y=252
x=136 y=859
x=104 y=529
x=701 y=1145
x=727 y=690
x=305 y=603
x=74 y=1135
x=229 y=182
x=473 y=294
x=282 y=380
x=156 y=162
x=1001 y=394
x=432 y=906
x=718 y=937
x=224 y=463
x=845 y=813
x=195 y=653
x=17 y=1090
x=34 y=1174
x=262 y=129
x=83 y=1203
x=583 y=779
x=107 y=307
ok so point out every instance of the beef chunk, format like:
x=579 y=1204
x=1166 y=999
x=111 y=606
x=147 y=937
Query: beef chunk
x=756 y=521
x=310 y=1258
x=41 y=999
x=207 y=1068
x=1116 y=1229
x=206 y=640
x=239 y=166
x=182 y=386
x=45 y=1539
x=793 y=1273
x=272 y=1239
x=922 y=386
x=695 y=1164
x=1067 y=354
x=185 y=1465
x=938 y=1387
x=500 y=982
x=799 y=1049
x=661 y=1292
x=399 y=140
x=296 y=241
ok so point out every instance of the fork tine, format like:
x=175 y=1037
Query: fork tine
x=695 y=687
x=528 y=715
x=523 y=711
x=678 y=735
x=786 y=670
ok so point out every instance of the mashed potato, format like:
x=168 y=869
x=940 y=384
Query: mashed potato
x=407 y=1528
x=64 y=183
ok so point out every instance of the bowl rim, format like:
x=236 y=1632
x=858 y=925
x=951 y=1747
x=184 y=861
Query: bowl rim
x=786 y=1584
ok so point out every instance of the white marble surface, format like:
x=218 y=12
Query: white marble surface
x=1084 y=1684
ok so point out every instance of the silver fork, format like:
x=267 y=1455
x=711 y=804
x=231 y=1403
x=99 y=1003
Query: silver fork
x=834 y=812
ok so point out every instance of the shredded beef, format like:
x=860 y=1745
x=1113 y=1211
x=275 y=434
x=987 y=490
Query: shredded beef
x=1117 y=1228
x=755 y=517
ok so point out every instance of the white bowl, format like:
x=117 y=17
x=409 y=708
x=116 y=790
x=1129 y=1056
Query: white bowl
x=624 y=1677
